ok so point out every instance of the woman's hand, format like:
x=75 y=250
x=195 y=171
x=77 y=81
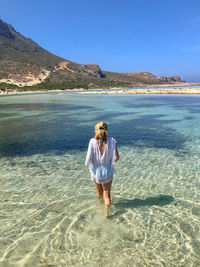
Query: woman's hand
x=117 y=155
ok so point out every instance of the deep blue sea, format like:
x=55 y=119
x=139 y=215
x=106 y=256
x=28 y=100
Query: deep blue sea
x=49 y=212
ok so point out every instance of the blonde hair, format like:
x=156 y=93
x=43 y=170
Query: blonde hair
x=100 y=129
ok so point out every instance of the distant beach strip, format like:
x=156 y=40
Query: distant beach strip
x=185 y=90
x=147 y=91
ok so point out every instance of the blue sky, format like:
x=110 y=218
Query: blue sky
x=162 y=37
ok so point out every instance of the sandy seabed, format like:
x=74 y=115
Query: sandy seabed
x=49 y=212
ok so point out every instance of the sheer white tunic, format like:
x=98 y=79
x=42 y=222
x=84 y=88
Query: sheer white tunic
x=101 y=166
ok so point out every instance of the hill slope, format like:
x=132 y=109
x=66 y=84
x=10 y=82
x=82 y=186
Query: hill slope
x=24 y=63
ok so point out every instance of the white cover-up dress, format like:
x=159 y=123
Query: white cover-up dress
x=101 y=166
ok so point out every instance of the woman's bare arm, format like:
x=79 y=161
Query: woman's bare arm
x=117 y=155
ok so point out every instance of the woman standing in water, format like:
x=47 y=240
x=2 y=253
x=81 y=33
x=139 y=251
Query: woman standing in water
x=101 y=155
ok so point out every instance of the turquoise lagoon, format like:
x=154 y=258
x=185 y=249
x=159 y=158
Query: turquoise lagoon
x=49 y=212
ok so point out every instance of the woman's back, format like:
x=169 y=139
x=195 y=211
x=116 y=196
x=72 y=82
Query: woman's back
x=108 y=153
x=101 y=165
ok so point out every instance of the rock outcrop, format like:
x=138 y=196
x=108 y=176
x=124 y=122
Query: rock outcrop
x=6 y=30
x=171 y=79
x=94 y=69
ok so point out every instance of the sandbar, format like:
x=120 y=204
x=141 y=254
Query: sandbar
x=188 y=90
x=111 y=91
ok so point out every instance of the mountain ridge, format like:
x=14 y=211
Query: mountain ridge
x=24 y=63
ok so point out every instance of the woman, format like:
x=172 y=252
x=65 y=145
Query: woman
x=101 y=155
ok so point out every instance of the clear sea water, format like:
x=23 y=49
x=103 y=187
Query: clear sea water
x=49 y=212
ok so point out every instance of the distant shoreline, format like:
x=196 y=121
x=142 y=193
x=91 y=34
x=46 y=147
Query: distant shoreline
x=186 y=91
x=120 y=90
x=16 y=92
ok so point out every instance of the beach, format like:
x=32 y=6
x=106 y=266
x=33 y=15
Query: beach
x=147 y=91
x=17 y=92
x=153 y=89
x=65 y=67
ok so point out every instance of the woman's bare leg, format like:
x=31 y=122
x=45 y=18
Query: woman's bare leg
x=106 y=193
x=99 y=190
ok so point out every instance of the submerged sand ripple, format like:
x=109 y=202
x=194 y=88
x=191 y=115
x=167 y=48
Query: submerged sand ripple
x=149 y=222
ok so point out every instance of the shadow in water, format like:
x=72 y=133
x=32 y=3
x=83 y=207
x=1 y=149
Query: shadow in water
x=123 y=204
x=62 y=127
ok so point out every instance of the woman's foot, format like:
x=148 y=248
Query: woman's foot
x=106 y=212
x=100 y=199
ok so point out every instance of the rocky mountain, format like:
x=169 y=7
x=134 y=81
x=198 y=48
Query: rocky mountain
x=140 y=78
x=24 y=63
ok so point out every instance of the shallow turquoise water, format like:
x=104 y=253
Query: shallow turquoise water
x=49 y=211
